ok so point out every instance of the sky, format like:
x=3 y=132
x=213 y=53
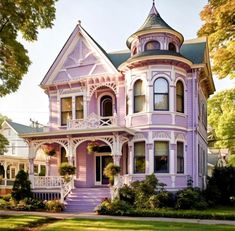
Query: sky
x=110 y=23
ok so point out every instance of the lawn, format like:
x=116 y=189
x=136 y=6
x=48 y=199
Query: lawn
x=24 y=222
x=18 y=222
x=123 y=225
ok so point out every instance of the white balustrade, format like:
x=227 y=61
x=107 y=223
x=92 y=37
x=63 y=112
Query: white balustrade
x=47 y=182
x=93 y=121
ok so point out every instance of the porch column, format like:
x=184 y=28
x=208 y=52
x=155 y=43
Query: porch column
x=5 y=171
x=48 y=165
x=116 y=159
x=131 y=160
x=70 y=152
x=31 y=171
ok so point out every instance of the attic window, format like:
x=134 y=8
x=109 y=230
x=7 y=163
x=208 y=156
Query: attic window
x=152 y=45
x=172 y=47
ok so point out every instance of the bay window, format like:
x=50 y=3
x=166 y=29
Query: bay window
x=139 y=96
x=180 y=97
x=180 y=157
x=161 y=157
x=161 y=95
x=139 y=157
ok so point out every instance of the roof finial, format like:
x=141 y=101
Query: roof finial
x=153 y=10
x=79 y=22
x=154 y=2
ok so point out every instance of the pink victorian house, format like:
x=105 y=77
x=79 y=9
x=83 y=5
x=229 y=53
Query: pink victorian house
x=145 y=108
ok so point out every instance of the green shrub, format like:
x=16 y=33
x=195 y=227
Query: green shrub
x=221 y=186
x=190 y=198
x=153 y=202
x=3 y=204
x=166 y=199
x=7 y=197
x=21 y=187
x=127 y=194
x=66 y=169
x=54 y=206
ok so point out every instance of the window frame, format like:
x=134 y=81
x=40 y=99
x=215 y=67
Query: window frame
x=152 y=41
x=163 y=94
x=61 y=108
x=167 y=170
x=140 y=96
x=135 y=157
x=181 y=97
x=180 y=158
x=79 y=110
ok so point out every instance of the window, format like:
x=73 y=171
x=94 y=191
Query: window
x=66 y=110
x=161 y=95
x=13 y=173
x=179 y=97
x=152 y=45
x=106 y=106
x=172 y=47
x=36 y=169
x=161 y=156
x=79 y=107
x=139 y=157
x=139 y=96
x=180 y=157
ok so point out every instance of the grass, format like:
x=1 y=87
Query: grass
x=19 y=222
x=124 y=225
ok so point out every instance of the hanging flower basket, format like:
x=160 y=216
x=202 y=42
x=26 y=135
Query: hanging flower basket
x=92 y=147
x=49 y=149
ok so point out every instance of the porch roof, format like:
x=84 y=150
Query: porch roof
x=78 y=132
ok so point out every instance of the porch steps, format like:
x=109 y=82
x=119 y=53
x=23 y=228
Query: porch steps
x=85 y=199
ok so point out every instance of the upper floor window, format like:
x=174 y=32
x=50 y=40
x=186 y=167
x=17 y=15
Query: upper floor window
x=79 y=107
x=152 y=45
x=161 y=156
x=139 y=96
x=71 y=108
x=106 y=106
x=139 y=157
x=179 y=97
x=66 y=110
x=180 y=157
x=161 y=95
x=172 y=47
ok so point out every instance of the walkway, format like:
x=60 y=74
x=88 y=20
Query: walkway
x=95 y=216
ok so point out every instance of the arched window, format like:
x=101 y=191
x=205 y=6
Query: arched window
x=179 y=97
x=106 y=106
x=152 y=45
x=139 y=96
x=172 y=47
x=161 y=95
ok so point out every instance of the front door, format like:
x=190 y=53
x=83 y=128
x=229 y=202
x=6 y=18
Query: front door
x=101 y=163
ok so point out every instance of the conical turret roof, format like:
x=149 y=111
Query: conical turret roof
x=154 y=23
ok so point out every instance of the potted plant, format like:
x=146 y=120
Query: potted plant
x=92 y=147
x=49 y=149
x=67 y=170
x=112 y=170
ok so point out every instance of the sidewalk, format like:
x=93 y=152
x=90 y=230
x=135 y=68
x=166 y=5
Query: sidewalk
x=95 y=216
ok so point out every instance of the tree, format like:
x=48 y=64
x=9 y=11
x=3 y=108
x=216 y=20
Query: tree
x=3 y=141
x=219 y=18
x=21 y=188
x=25 y=17
x=221 y=117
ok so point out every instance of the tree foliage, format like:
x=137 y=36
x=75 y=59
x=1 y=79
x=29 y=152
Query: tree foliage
x=221 y=117
x=25 y=17
x=219 y=26
x=3 y=140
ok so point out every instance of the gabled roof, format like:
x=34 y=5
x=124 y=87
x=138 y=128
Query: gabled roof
x=73 y=37
x=20 y=128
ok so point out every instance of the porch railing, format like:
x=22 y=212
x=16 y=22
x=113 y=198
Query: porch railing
x=52 y=187
x=93 y=121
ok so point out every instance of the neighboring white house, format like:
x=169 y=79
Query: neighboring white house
x=16 y=156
